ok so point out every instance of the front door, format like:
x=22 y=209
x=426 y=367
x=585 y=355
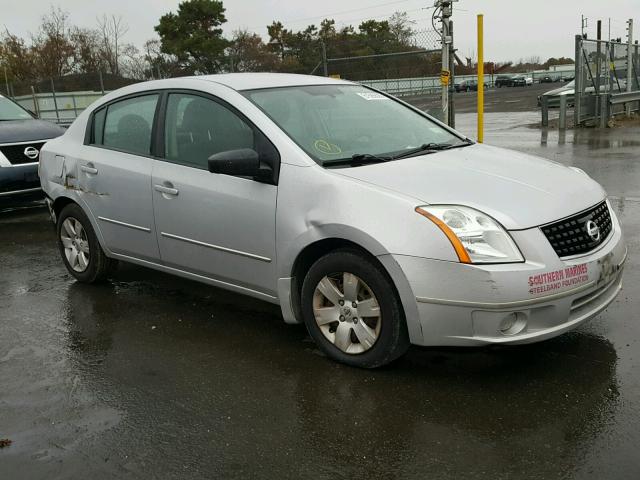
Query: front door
x=218 y=226
x=114 y=175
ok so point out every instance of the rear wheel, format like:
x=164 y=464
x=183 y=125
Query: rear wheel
x=79 y=247
x=352 y=311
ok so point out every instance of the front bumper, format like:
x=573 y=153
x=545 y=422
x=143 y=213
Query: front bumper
x=19 y=182
x=460 y=304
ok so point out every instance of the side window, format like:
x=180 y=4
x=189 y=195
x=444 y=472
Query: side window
x=127 y=125
x=196 y=128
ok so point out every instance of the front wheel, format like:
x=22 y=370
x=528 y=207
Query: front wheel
x=79 y=247
x=352 y=311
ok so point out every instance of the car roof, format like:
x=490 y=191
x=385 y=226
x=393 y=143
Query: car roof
x=251 y=81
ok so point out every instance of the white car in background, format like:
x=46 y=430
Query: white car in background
x=361 y=216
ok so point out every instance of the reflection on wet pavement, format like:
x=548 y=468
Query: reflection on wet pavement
x=154 y=376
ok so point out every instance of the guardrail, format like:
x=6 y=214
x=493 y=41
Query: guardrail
x=626 y=97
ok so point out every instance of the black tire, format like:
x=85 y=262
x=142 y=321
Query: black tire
x=99 y=266
x=393 y=338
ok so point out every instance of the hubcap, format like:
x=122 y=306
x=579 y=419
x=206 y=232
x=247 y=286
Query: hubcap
x=347 y=312
x=75 y=243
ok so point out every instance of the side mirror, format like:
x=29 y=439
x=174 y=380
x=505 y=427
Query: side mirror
x=244 y=162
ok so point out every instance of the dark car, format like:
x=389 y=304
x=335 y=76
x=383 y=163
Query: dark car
x=467 y=85
x=21 y=138
x=547 y=79
x=503 y=81
x=519 y=81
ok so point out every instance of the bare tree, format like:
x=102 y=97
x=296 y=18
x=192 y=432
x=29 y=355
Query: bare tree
x=87 y=50
x=112 y=29
x=51 y=46
x=133 y=64
x=16 y=57
x=248 y=53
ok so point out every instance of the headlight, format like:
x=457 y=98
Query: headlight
x=476 y=237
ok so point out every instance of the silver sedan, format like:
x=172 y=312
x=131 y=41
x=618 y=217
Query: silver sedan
x=362 y=217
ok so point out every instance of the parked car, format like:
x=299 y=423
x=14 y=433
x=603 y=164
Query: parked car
x=467 y=86
x=503 y=81
x=519 y=81
x=528 y=80
x=568 y=90
x=21 y=138
x=361 y=216
x=547 y=79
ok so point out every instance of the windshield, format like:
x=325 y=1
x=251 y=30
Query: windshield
x=11 y=111
x=335 y=122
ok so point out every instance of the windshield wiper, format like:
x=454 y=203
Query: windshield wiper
x=431 y=147
x=358 y=159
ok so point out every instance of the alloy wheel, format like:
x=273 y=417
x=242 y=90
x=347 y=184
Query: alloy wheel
x=347 y=312
x=75 y=243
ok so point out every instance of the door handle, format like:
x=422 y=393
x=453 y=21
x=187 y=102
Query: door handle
x=168 y=190
x=89 y=168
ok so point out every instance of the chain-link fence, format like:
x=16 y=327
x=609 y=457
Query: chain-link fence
x=62 y=99
x=607 y=78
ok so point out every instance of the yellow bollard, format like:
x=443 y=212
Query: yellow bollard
x=480 y=79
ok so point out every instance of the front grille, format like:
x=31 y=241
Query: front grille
x=569 y=236
x=16 y=153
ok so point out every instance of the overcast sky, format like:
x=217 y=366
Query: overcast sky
x=513 y=29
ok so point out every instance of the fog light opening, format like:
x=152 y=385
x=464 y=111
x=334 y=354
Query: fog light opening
x=513 y=323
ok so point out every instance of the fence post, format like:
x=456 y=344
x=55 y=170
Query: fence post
x=629 y=64
x=325 y=68
x=577 y=91
x=544 y=108
x=596 y=81
x=55 y=101
x=101 y=81
x=6 y=82
x=452 y=68
x=636 y=64
x=603 y=100
x=480 y=77
x=562 y=121
x=36 y=107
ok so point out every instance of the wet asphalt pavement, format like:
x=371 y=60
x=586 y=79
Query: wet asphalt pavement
x=152 y=376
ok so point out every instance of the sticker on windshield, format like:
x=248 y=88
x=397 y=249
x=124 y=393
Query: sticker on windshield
x=372 y=96
x=327 y=148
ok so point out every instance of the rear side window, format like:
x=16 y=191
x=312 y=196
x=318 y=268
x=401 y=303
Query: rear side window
x=126 y=125
x=197 y=127
x=98 y=127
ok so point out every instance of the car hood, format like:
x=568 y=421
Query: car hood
x=16 y=131
x=560 y=91
x=520 y=191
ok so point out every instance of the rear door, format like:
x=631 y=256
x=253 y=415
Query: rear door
x=114 y=175
x=218 y=226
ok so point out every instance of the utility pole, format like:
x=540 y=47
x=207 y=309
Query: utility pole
x=445 y=37
x=629 y=61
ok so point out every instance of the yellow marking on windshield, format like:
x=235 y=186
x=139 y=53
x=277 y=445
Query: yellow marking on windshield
x=327 y=148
